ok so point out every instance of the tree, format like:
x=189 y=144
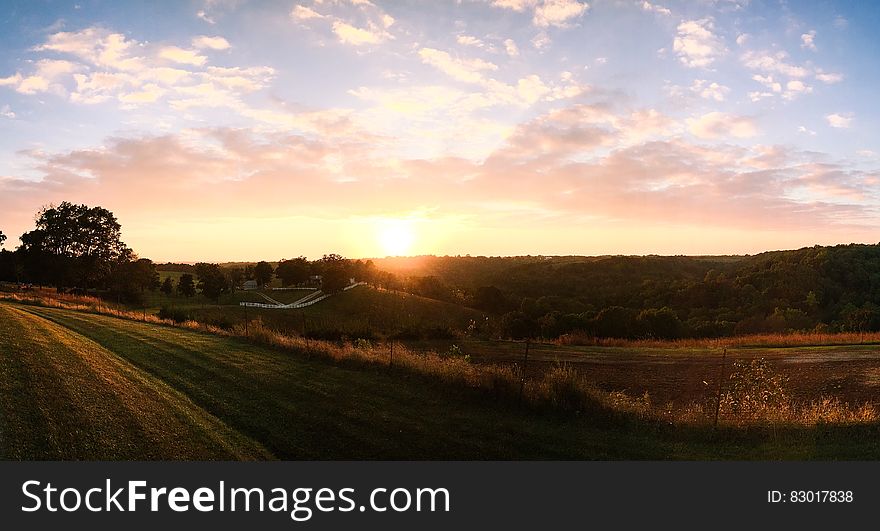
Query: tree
x=292 y=272
x=167 y=286
x=212 y=281
x=2 y=238
x=186 y=286
x=660 y=323
x=490 y=299
x=235 y=276
x=75 y=245
x=263 y=273
x=334 y=273
x=616 y=321
x=130 y=279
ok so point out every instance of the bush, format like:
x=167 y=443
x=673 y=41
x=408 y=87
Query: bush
x=173 y=314
x=755 y=390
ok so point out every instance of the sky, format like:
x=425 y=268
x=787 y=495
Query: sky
x=228 y=130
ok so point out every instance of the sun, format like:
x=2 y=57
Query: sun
x=395 y=237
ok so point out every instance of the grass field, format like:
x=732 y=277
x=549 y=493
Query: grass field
x=360 y=312
x=77 y=385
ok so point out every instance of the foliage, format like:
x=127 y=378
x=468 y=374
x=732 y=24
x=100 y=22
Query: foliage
x=334 y=273
x=73 y=245
x=186 y=285
x=293 y=272
x=167 y=286
x=212 y=281
x=754 y=389
x=263 y=273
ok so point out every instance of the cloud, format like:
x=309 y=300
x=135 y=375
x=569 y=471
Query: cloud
x=104 y=66
x=466 y=70
x=696 y=44
x=828 y=77
x=804 y=131
x=547 y=13
x=96 y=46
x=202 y=14
x=808 y=41
x=709 y=90
x=579 y=166
x=213 y=43
x=839 y=121
x=179 y=55
x=558 y=12
x=756 y=96
x=305 y=13
x=511 y=48
x=655 y=8
x=469 y=40
x=45 y=77
x=718 y=125
x=768 y=82
x=516 y=5
x=6 y=112
x=742 y=39
x=774 y=63
x=349 y=34
x=795 y=88
x=357 y=23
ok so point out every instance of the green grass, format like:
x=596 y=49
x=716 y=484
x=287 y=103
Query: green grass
x=76 y=385
x=359 y=312
x=66 y=397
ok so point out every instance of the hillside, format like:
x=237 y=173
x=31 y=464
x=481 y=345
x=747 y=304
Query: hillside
x=363 y=312
x=825 y=288
x=84 y=386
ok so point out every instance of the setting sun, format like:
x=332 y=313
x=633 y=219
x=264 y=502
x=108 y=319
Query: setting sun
x=395 y=237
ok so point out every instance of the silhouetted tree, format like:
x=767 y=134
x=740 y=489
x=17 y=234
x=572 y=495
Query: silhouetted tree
x=167 y=286
x=2 y=238
x=212 y=281
x=74 y=245
x=660 y=324
x=186 y=286
x=334 y=273
x=491 y=299
x=235 y=276
x=263 y=273
x=292 y=272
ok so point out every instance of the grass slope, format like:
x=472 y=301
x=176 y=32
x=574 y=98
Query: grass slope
x=359 y=312
x=66 y=397
x=77 y=385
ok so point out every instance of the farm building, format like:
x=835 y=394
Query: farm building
x=249 y=284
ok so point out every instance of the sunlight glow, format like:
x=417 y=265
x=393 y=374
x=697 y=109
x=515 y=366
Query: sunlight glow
x=395 y=236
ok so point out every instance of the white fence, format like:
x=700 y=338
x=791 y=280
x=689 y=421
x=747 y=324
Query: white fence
x=308 y=300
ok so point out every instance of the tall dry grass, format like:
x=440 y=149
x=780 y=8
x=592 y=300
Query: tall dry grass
x=559 y=388
x=777 y=340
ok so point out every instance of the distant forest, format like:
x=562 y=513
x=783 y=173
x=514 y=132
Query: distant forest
x=815 y=288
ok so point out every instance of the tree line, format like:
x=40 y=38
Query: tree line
x=78 y=248
x=818 y=288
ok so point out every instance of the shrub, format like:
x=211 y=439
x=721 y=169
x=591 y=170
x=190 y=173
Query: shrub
x=173 y=314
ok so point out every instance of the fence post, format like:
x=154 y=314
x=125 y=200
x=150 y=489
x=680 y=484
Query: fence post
x=391 y=359
x=720 y=382
x=522 y=379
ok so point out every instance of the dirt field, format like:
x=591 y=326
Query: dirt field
x=851 y=373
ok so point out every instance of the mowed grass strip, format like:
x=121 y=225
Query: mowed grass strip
x=63 y=396
x=313 y=409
